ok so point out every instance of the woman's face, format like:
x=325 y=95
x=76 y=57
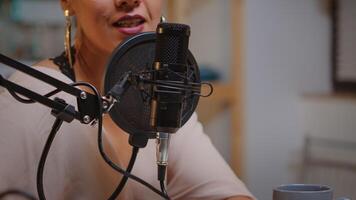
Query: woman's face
x=105 y=23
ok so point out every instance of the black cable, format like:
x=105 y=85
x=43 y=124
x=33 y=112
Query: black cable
x=40 y=169
x=163 y=188
x=120 y=170
x=50 y=139
x=28 y=101
x=17 y=193
x=161 y=172
x=125 y=178
x=106 y=158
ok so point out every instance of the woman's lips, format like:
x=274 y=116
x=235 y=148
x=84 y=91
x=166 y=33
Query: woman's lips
x=130 y=24
x=131 y=30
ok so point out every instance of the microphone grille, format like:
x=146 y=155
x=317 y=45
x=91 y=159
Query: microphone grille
x=175 y=27
x=172 y=43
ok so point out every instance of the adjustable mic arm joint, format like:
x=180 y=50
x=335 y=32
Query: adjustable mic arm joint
x=115 y=94
x=108 y=103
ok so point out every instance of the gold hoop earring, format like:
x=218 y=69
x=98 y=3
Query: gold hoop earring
x=68 y=38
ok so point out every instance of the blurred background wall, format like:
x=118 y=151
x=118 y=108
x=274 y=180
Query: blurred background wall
x=287 y=56
x=30 y=30
x=271 y=68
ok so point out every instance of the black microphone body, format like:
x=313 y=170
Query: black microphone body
x=170 y=64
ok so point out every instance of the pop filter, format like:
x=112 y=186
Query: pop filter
x=132 y=113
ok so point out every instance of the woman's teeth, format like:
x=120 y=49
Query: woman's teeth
x=129 y=23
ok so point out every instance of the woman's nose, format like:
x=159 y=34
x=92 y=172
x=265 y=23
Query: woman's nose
x=127 y=5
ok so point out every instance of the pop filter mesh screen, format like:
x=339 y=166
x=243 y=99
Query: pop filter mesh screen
x=132 y=113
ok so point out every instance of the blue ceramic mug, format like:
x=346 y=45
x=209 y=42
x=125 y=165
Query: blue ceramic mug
x=303 y=192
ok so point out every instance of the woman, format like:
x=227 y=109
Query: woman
x=74 y=169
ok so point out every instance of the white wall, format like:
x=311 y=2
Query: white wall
x=211 y=46
x=210 y=35
x=287 y=55
x=330 y=117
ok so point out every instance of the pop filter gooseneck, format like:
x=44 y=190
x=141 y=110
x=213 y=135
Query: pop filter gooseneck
x=133 y=112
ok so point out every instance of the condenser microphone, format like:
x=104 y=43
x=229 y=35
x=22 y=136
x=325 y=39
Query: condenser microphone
x=169 y=65
x=166 y=105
